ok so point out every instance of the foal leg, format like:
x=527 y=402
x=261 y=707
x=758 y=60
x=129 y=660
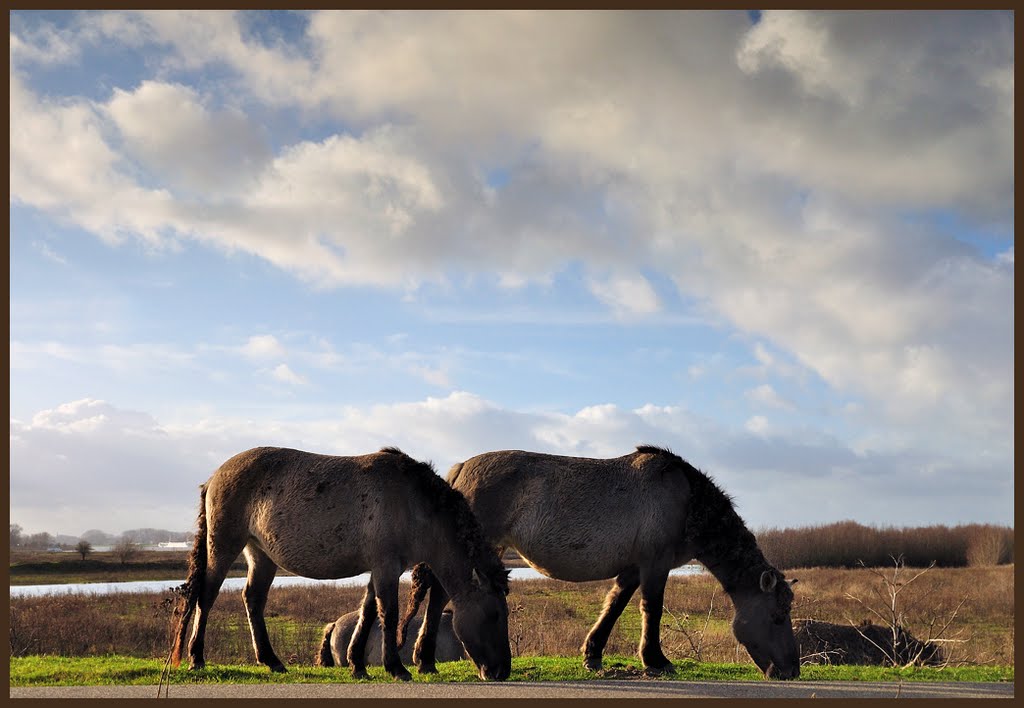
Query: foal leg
x=652 y=602
x=386 y=586
x=261 y=575
x=424 y=654
x=617 y=599
x=357 y=644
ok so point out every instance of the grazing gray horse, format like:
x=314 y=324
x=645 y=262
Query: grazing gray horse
x=632 y=518
x=338 y=635
x=323 y=516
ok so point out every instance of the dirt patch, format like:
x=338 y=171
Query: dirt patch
x=622 y=672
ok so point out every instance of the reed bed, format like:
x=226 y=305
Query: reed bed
x=848 y=544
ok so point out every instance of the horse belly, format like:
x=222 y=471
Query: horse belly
x=314 y=550
x=596 y=552
x=575 y=560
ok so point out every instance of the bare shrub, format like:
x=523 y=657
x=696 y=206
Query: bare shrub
x=893 y=610
x=126 y=550
x=987 y=545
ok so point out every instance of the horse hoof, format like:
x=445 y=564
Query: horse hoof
x=278 y=669
x=402 y=675
x=592 y=664
x=360 y=674
x=427 y=669
x=667 y=668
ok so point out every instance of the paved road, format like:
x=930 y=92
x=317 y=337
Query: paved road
x=518 y=689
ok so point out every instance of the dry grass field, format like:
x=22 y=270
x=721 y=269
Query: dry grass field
x=548 y=617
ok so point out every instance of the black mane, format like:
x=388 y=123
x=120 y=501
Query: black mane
x=450 y=502
x=724 y=543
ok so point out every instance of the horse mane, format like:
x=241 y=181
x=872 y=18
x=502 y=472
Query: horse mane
x=469 y=534
x=713 y=526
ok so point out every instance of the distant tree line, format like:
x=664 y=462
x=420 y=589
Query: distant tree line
x=95 y=537
x=848 y=544
x=845 y=544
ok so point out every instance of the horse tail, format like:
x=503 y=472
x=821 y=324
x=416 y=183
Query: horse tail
x=194 y=581
x=422 y=579
x=453 y=473
x=325 y=657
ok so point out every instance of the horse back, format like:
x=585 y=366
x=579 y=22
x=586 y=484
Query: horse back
x=316 y=515
x=562 y=512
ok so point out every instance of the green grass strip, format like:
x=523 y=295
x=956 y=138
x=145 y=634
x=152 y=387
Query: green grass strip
x=125 y=670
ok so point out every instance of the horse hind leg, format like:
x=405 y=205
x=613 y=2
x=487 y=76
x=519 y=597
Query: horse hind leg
x=652 y=604
x=257 y=586
x=220 y=556
x=614 y=603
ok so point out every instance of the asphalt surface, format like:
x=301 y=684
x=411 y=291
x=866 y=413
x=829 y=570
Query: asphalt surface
x=548 y=690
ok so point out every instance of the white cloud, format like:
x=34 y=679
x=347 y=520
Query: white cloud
x=625 y=295
x=44 y=45
x=283 y=373
x=799 y=42
x=48 y=252
x=765 y=394
x=263 y=346
x=192 y=149
x=1006 y=257
x=60 y=162
x=758 y=425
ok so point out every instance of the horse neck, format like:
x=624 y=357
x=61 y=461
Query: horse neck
x=728 y=549
x=452 y=567
x=738 y=569
x=448 y=550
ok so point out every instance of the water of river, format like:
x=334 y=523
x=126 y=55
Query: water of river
x=237 y=583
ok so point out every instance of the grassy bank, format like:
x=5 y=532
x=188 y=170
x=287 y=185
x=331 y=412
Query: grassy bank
x=126 y=670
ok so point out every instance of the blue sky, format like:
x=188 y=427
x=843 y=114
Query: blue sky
x=779 y=244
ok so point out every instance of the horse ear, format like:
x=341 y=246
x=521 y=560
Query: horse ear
x=768 y=580
x=476 y=579
x=794 y=581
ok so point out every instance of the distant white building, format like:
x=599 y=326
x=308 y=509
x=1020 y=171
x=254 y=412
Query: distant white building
x=173 y=545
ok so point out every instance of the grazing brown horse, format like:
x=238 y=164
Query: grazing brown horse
x=632 y=518
x=323 y=516
x=338 y=636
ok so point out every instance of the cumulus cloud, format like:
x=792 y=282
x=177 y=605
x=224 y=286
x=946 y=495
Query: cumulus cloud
x=192 y=149
x=774 y=172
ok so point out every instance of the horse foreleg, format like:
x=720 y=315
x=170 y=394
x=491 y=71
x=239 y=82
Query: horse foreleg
x=257 y=586
x=424 y=654
x=386 y=585
x=615 y=602
x=652 y=602
x=357 y=644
